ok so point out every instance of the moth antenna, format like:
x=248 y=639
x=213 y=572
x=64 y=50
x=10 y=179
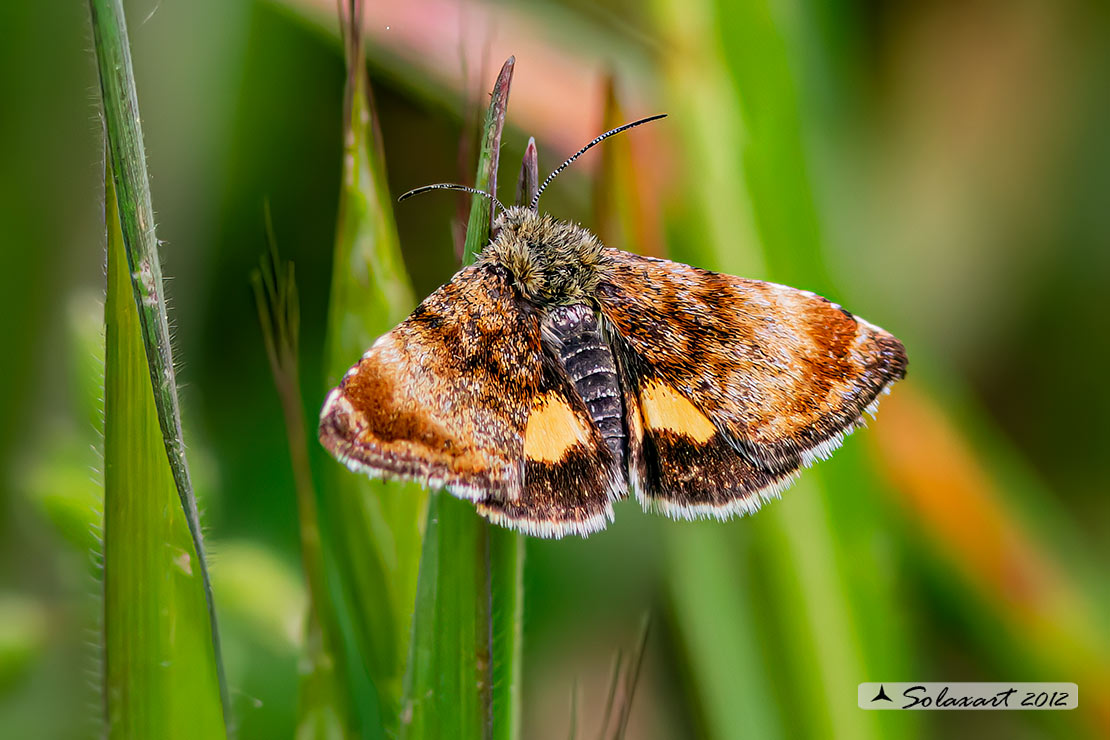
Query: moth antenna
x=450 y=186
x=536 y=198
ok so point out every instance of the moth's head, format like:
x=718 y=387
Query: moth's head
x=513 y=219
x=551 y=261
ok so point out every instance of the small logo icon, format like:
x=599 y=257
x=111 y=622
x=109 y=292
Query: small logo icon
x=882 y=695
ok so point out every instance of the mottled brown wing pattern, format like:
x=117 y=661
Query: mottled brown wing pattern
x=733 y=384
x=443 y=398
x=679 y=463
x=464 y=395
x=571 y=476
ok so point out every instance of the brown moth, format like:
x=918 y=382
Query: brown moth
x=553 y=374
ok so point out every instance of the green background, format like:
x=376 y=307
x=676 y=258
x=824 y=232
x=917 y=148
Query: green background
x=942 y=170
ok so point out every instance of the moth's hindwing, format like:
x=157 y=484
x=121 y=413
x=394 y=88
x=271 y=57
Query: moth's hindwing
x=732 y=385
x=462 y=394
x=570 y=474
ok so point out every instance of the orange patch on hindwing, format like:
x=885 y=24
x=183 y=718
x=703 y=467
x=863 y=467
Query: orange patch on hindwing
x=665 y=409
x=553 y=428
x=635 y=422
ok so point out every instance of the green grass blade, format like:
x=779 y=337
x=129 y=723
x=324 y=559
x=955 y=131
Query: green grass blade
x=507 y=632
x=136 y=216
x=444 y=686
x=160 y=666
x=374 y=527
x=464 y=670
x=481 y=209
x=718 y=633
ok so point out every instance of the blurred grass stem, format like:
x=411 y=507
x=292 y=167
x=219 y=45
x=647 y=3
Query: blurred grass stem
x=373 y=529
x=275 y=291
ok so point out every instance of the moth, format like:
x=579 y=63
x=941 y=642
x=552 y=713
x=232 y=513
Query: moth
x=554 y=374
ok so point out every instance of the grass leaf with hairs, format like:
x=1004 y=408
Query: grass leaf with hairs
x=160 y=674
x=162 y=641
x=127 y=158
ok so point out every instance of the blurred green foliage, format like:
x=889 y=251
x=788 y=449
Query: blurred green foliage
x=373 y=528
x=940 y=168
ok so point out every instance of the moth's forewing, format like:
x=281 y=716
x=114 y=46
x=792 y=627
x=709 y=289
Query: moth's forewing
x=463 y=394
x=731 y=385
x=443 y=397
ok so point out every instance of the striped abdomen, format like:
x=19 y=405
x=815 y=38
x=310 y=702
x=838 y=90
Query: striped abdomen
x=589 y=363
